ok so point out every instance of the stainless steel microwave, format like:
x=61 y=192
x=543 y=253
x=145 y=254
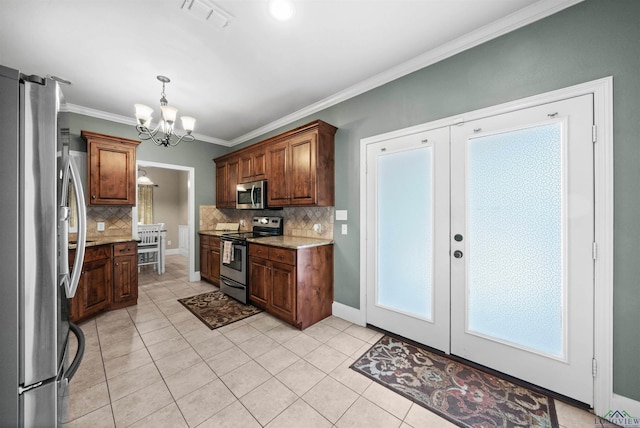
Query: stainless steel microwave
x=251 y=196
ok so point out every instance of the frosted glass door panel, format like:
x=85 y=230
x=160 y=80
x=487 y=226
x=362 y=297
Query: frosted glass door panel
x=405 y=231
x=515 y=236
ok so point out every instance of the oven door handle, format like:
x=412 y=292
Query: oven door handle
x=228 y=284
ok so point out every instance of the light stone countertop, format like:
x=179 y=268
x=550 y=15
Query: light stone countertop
x=106 y=240
x=294 y=242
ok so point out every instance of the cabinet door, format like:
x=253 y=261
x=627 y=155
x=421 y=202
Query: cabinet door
x=259 y=280
x=111 y=173
x=95 y=287
x=302 y=173
x=259 y=164
x=283 y=291
x=233 y=171
x=214 y=264
x=125 y=279
x=221 y=186
x=277 y=167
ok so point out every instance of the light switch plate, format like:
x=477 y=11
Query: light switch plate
x=341 y=215
x=344 y=229
x=101 y=226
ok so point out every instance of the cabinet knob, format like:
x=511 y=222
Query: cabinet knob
x=93 y=196
x=117 y=264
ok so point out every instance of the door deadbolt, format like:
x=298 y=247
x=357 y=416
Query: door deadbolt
x=458 y=237
x=457 y=254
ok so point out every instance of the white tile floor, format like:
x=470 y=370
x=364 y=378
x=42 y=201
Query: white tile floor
x=156 y=365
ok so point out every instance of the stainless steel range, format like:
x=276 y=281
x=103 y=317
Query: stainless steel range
x=234 y=261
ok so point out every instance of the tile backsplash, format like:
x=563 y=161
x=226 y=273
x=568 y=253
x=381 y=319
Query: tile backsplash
x=298 y=221
x=117 y=221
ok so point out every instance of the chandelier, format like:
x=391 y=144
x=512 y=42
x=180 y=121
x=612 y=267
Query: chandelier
x=164 y=134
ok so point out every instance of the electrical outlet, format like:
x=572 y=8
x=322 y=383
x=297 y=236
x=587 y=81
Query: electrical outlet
x=101 y=226
x=344 y=229
x=169 y=242
x=317 y=228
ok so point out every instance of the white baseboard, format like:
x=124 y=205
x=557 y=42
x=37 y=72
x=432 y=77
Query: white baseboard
x=173 y=252
x=348 y=313
x=195 y=277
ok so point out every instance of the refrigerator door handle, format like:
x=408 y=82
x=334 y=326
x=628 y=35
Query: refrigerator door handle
x=71 y=284
x=73 y=367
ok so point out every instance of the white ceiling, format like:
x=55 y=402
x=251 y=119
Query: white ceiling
x=256 y=73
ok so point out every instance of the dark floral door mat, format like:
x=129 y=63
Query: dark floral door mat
x=216 y=309
x=464 y=395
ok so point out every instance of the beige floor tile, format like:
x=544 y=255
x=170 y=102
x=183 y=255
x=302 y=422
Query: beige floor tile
x=277 y=359
x=346 y=343
x=283 y=333
x=167 y=417
x=264 y=323
x=301 y=376
x=118 y=335
x=385 y=398
x=128 y=383
x=188 y=380
x=363 y=333
x=297 y=414
x=265 y=410
x=205 y=402
x=241 y=334
x=190 y=324
x=168 y=347
x=125 y=363
x=245 y=378
x=330 y=398
x=228 y=360
x=258 y=345
x=419 y=417
x=157 y=336
x=87 y=401
x=326 y=358
x=322 y=332
x=364 y=413
x=123 y=347
x=197 y=333
x=178 y=361
x=302 y=344
x=181 y=316
x=152 y=325
x=573 y=417
x=337 y=323
x=212 y=346
x=350 y=378
x=233 y=416
x=101 y=418
x=141 y=404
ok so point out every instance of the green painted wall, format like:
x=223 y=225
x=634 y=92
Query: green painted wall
x=196 y=154
x=588 y=41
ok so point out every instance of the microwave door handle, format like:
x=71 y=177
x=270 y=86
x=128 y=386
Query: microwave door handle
x=253 y=202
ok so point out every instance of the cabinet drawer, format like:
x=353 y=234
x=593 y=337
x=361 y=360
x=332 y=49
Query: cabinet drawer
x=256 y=250
x=92 y=253
x=204 y=240
x=125 y=249
x=282 y=255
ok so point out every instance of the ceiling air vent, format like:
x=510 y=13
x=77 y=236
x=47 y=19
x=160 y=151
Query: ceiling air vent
x=207 y=11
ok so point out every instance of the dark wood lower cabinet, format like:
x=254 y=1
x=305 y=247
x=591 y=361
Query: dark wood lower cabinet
x=210 y=258
x=109 y=280
x=293 y=285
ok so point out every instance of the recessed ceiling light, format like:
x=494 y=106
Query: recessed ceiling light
x=282 y=10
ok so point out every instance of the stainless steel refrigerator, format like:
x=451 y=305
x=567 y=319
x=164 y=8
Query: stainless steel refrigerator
x=35 y=172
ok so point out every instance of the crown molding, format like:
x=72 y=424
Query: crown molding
x=512 y=22
x=99 y=114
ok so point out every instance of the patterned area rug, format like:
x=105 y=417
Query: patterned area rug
x=216 y=309
x=466 y=396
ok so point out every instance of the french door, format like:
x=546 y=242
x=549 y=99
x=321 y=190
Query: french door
x=495 y=263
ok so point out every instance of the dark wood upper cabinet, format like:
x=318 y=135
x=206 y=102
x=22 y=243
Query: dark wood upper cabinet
x=111 y=169
x=298 y=166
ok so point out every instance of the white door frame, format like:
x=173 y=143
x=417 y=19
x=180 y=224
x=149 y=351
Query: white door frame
x=602 y=89
x=193 y=275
